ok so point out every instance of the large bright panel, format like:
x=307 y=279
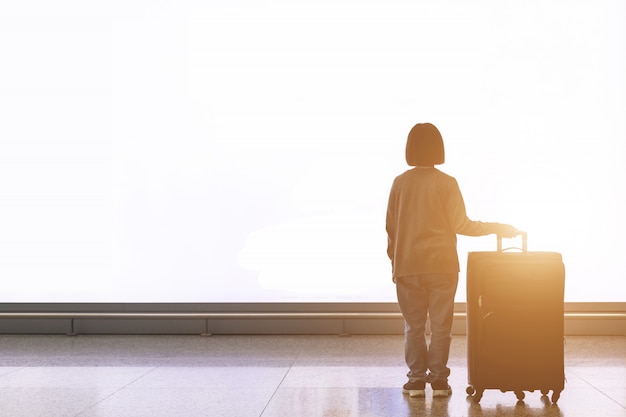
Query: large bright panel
x=235 y=151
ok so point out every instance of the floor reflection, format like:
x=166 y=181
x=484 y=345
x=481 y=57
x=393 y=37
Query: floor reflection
x=267 y=376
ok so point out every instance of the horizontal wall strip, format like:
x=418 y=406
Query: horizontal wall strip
x=256 y=315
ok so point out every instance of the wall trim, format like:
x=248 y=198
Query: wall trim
x=259 y=318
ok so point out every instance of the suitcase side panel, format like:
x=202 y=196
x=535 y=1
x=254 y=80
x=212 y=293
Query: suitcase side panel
x=515 y=320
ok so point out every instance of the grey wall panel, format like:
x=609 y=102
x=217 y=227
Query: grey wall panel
x=133 y=326
x=586 y=326
x=276 y=326
x=374 y=326
x=35 y=326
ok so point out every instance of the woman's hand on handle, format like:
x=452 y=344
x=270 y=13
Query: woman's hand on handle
x=506 y=230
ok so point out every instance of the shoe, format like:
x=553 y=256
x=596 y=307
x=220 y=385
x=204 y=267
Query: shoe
x=441 y=389
x=414 y=389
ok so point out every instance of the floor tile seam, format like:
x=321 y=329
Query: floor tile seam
x=585 y=380
x=17 y=369
x=115 y=391
x=278 y=386
x=600 y=390
x=612 y=399
x=90 y=406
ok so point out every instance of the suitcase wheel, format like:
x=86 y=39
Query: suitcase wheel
x=477 y=396
x=520 y=395
x=470 y=390
x=555 y=395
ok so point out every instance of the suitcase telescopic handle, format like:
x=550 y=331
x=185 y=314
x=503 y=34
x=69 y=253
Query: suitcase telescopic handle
x=524 y=242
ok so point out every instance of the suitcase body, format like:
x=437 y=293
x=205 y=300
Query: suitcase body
x=515 y=322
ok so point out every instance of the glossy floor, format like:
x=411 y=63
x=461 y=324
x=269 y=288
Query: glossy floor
x=239 y=376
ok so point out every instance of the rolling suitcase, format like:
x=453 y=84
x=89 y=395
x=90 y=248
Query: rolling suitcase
x=515 y=322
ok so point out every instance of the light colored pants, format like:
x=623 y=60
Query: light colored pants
x=419 y=297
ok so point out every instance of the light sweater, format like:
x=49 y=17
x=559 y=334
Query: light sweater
x=425 y=213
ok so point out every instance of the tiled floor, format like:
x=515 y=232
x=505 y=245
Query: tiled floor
x=188 y=376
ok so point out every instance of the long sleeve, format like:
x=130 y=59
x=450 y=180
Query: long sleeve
x=461 y=224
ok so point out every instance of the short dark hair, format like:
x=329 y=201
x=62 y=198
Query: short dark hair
x=424 y=146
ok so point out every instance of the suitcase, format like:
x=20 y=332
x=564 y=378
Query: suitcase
x=515 y=321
